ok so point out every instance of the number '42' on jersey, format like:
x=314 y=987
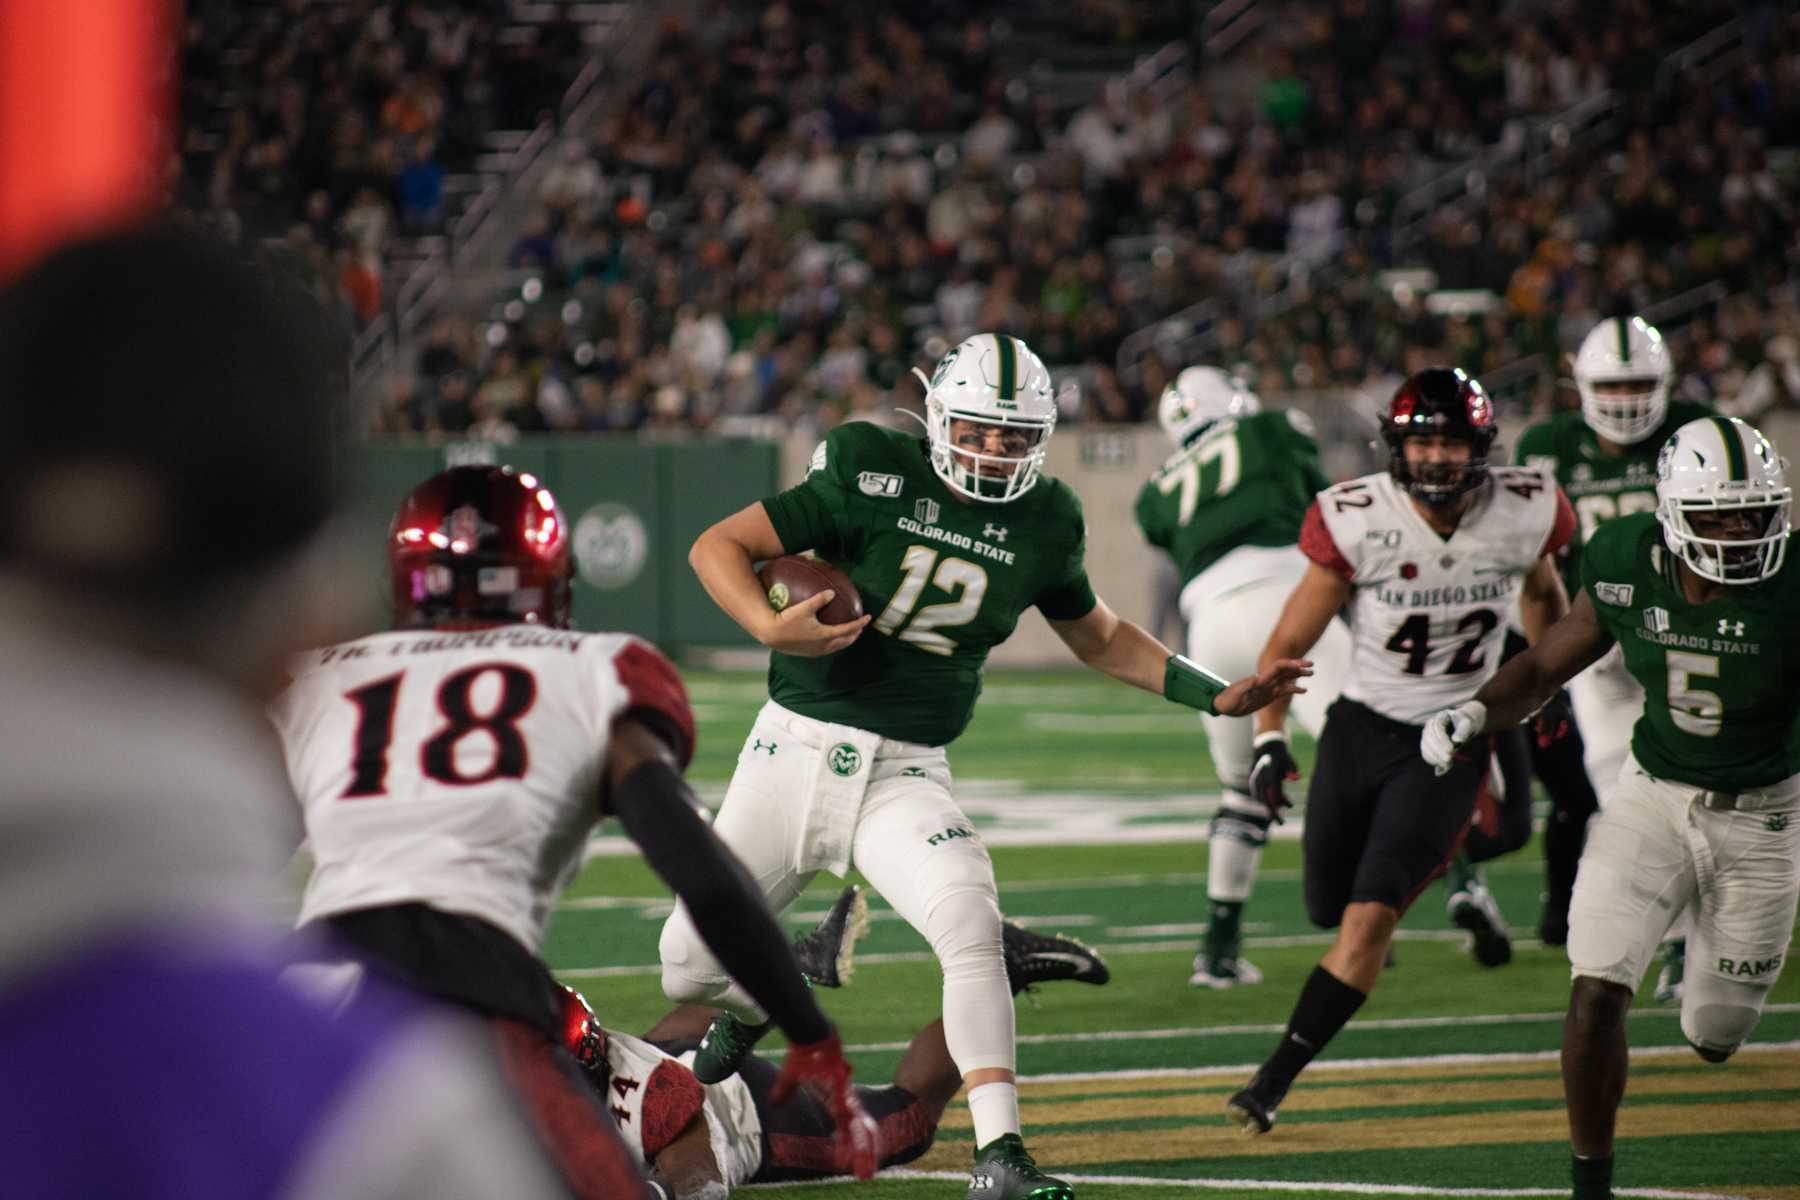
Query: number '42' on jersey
x=1427 y=613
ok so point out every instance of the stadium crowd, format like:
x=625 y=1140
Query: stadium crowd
x=322 y=131
x=801 y=201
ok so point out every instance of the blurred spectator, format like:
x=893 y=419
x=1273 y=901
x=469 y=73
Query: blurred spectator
x=154 y=585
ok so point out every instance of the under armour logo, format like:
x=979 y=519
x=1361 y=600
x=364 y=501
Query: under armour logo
x=980 y=1181
x=1733 y=628
x=759 y=745
x=1776 y=822
x=997 y=532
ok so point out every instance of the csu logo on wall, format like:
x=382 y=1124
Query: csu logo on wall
x=611 y=545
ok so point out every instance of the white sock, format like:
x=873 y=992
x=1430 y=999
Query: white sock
x=995 y=1108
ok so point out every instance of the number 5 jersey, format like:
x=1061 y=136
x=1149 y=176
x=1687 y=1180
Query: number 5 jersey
x=1427 y=613
x=462 y=769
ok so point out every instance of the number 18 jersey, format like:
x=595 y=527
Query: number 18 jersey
x=1427 y=613
x=462 y=769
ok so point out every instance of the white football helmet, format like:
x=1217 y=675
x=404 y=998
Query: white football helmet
x=994 y=380
x=1721 y=464
x=1198 y=397
x=1629 y=360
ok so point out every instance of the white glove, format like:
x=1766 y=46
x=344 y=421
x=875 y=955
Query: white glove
x=1448 y=729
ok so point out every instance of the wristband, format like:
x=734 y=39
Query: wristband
x=1187 y=682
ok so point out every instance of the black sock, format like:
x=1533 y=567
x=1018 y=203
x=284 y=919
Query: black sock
x=1592 y=1176
x=1326 y=1003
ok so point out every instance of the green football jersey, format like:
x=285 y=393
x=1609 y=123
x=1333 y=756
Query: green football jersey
x=946 y=580
x=1243 y=482
x=1598 y=485
x=1721 y=680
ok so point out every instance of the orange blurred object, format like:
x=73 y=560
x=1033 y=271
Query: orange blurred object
x=86 y=102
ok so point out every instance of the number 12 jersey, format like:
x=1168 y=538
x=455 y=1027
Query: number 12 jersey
x=1428 y=613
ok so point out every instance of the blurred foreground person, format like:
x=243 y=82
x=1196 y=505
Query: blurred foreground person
x=165 y=451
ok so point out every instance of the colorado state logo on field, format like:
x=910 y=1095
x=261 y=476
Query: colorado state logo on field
x=843 y=759
x=610 y=546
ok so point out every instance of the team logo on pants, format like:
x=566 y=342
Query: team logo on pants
x=843 y=759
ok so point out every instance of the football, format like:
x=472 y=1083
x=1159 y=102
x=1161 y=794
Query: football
x=793 y=578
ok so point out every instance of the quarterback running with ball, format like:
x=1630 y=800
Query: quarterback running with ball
x=948 y=539
x=1704 y=815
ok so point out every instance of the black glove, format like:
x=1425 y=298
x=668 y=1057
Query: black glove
x=1552 y=722
x=1269 y=769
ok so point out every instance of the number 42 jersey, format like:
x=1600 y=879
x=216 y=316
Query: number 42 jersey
x=1427 y=613
x=462 y=769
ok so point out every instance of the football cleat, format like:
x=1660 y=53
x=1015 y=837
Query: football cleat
x=1253 y=1108
x=1033 y=958
x=825 y=952
x=1218 y=971
x=1474 y=909
x=1005 y=1170
x=1674 y=968
x=727 y=1044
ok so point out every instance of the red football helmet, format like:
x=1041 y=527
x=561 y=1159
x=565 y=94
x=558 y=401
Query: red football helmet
x=1447 y=402
x=479 y=545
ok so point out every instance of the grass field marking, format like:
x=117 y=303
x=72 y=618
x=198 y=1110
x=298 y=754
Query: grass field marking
x=1403 y=1061
x=1147 y=1035
x=1283 y=1185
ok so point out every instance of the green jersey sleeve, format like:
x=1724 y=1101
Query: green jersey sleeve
x=1537 y=444
x=812 y=515
x=1153 y=518
x=1069 y=596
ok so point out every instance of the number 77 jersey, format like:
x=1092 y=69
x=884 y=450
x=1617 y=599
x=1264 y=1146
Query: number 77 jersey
x=462 y=769
x=1428 y=613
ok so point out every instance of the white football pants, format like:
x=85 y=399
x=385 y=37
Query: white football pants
x=1656 y=849
x=905 y=834
x=1607 y=703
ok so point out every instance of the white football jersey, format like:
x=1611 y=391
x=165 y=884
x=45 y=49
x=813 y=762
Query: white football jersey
x=653 y=1096
x=1428 y=613
x=461 y=769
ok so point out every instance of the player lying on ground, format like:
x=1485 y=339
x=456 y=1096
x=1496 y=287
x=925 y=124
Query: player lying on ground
x=948 y=539
x=1706 y=812
x=698 y=1141
x=1430 y=556
x=449 y=774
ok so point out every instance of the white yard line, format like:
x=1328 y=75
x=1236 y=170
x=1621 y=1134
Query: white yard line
x=1278 y=1185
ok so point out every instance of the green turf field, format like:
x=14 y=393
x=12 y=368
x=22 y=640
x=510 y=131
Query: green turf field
x=1093 y=797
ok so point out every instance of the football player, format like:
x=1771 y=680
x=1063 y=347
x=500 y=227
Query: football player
x=1227 y=507
x=948 y=538
x=1429 y=556
x=1605 y=459
x=699 y=1141
x=451 y=770
x=1703 y=817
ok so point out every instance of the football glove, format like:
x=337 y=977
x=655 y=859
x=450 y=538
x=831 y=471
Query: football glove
x=1553 y=721
x=1447 y=729
x=1269 y=769
x=821 y=1066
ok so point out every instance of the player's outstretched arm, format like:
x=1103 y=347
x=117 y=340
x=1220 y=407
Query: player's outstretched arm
x=645 y=790
x=1542 y=600
x=725 y=558
x=1521 y=686
x=1309 y=609
x=687 y=1169
x=1126 y=651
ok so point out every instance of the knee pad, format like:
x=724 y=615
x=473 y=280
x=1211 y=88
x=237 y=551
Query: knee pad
x=1241 y=819
x=690 y=974
x=1718 y=1014
x=963 y=928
